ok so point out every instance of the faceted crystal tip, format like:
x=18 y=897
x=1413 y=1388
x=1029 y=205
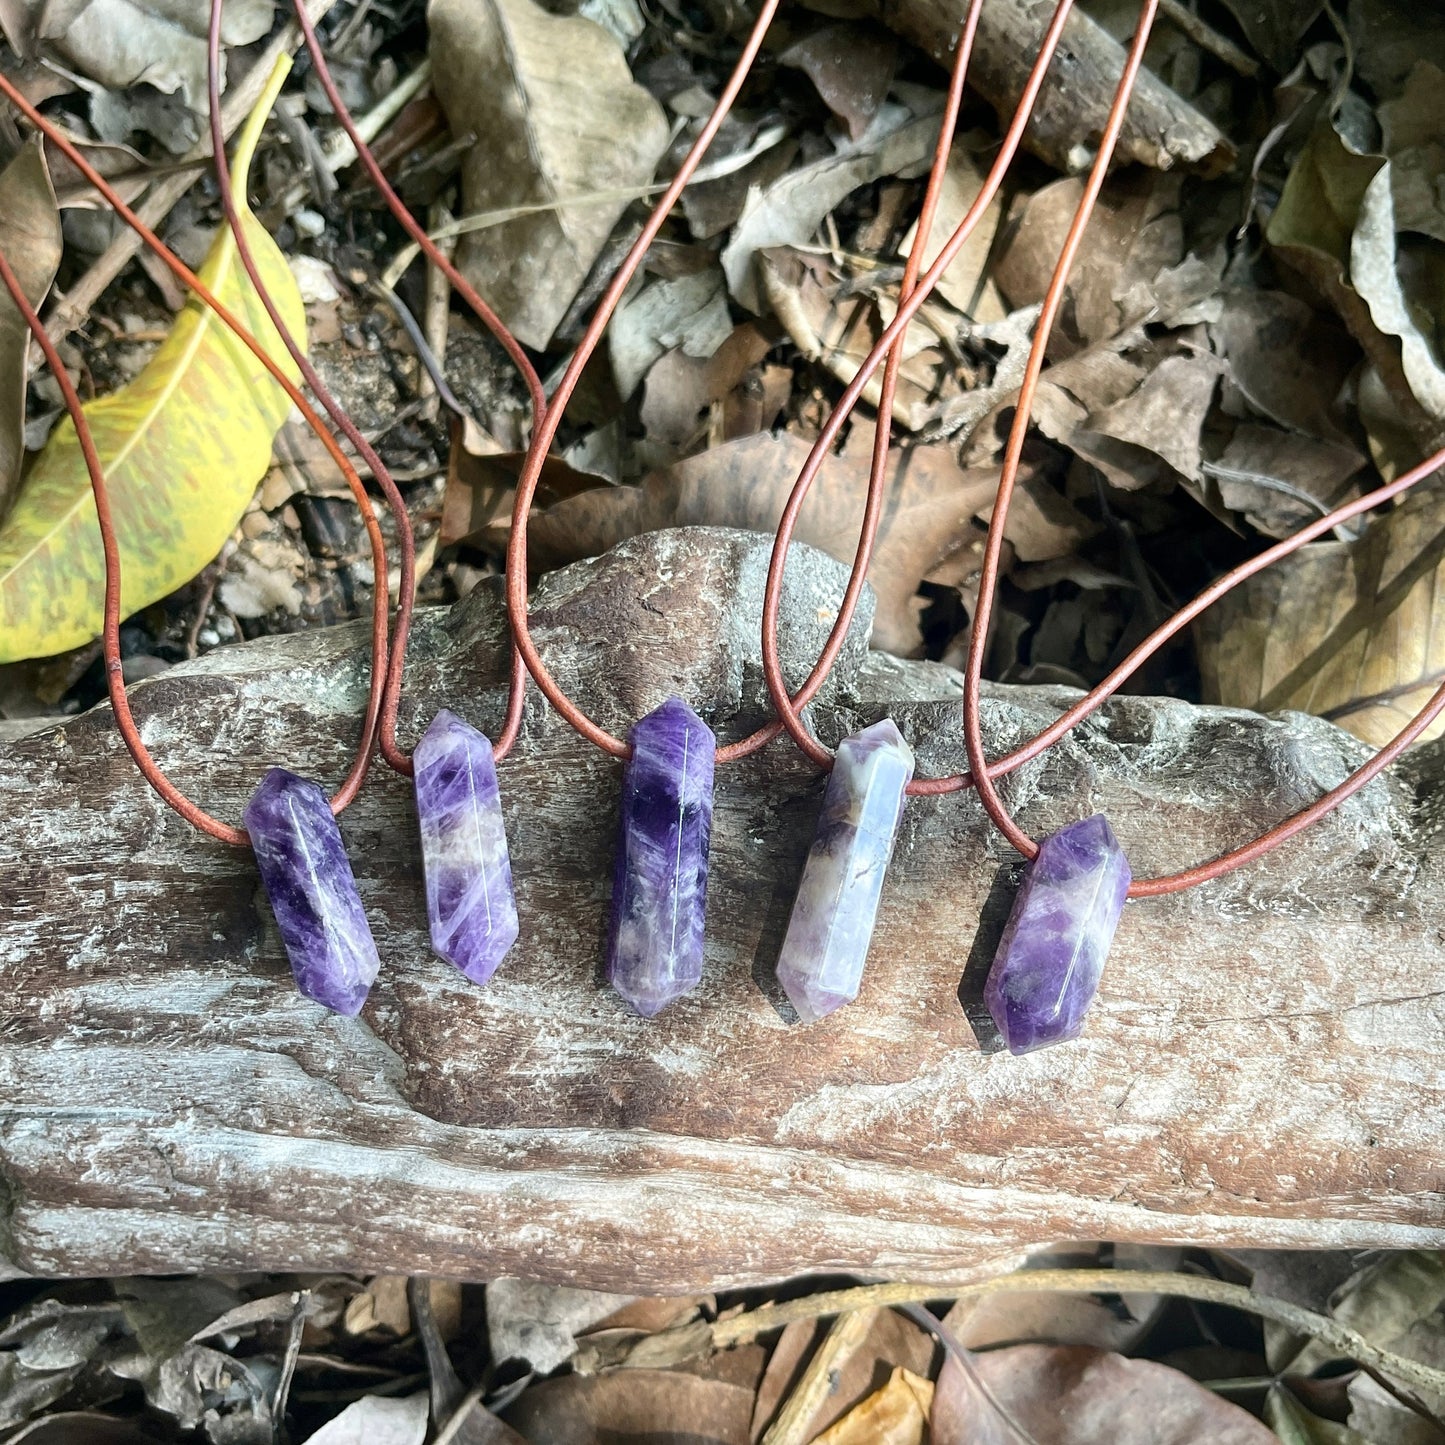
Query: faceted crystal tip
x=659 y=892
x=471 y=907
x=821 y=963
x=1047 y=967
x=308 y=879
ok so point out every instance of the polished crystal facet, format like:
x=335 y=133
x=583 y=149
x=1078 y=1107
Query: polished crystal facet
x=470 y=906
x=1053 y=948
x=659 y=891
x=307 y=876
x=821 y=964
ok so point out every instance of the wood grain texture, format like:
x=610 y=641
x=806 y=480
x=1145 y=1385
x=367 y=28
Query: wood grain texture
x=1161 y=129
x=1263 y=1065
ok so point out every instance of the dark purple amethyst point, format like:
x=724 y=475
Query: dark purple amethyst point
x=471 y=908
x=308 y=878
x=1052 y=952
x=659 y=892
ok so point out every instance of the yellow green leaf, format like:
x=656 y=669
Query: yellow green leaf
x=183 y=447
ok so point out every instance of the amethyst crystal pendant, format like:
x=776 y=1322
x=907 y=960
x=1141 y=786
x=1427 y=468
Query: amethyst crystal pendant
x=659 y=890
x=471 y=909
x=821 y=964
x=308 y=878
x=1047 y=967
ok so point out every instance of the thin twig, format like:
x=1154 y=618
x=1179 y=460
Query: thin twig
x=1208 y=38
x=484 y=220
x=739 y=1329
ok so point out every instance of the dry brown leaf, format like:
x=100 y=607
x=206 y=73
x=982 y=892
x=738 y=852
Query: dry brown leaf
x=888 y=1343
x=932 y=502
x=1071 y=1395
x=482 y=481
x=1163 y=418
x=122 y=43
x=557 y=115
x=1413 y=127
x=851 y=67
x=1312 y=232
x=30 y=238
x=681 y=387
x=789 y=210
x=1354 y=631
x=965 y=284
x=377 y=1420
x=659 y=1407
x=838 y=331
x=687 y=312
x=895 y=1415
x=1134 y=235
x=382 y=1305
x=538 y=1323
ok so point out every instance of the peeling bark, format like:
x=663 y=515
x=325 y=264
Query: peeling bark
x=1263 y=1065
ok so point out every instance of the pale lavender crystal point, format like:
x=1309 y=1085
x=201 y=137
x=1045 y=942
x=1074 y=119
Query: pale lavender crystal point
x=821 y=963
x=470 y=905
x=1052 y=952
x=659 y=891
x=308 y=878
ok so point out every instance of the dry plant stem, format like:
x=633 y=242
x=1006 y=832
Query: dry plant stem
x=160 y=200
x=339 y=151
x=740 y=1329
x=151 y=770
x=391 y=699
x=847 y=1333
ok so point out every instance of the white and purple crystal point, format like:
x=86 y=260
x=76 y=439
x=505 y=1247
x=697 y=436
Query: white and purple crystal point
x=659 y=891
x=821 y=963
x=471 y=908
x=308 y=878
x=1052 y=952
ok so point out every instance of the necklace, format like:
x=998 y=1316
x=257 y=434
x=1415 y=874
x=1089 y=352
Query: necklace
x=1049 y=960
x=471 y=903
x=289 y=823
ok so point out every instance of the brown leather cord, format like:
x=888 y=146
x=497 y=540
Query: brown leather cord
x=391 y=752
x=516 y=698
x=1146 y=649
x=547 y=426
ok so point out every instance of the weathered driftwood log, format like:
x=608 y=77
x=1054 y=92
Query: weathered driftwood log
x=1264 y=1063
x=1160 y=130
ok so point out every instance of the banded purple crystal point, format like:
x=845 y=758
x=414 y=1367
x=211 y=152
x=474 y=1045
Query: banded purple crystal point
x=1052 y=952
x=470 y=905
x=659 y=891
x=821 y=963
x=308 y=878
